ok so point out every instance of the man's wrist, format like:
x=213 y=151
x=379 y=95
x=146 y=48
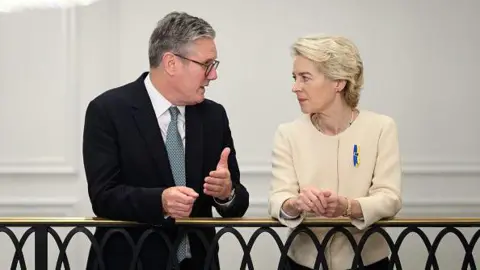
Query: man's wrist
x=229 y=197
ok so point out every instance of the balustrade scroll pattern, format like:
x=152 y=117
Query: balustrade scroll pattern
x=42 y=228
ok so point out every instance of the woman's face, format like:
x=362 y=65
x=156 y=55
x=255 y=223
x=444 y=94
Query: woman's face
x=315 y=92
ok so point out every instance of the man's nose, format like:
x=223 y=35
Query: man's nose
x=212 y=75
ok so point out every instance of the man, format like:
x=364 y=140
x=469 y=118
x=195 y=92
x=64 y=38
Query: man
x=155 y=150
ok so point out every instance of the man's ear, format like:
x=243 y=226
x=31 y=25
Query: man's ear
x=169 y=63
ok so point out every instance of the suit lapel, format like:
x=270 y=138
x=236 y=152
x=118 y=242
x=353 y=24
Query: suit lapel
x=193 y=149
x=147 y=124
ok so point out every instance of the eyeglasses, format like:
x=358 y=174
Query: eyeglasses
x=208 y=66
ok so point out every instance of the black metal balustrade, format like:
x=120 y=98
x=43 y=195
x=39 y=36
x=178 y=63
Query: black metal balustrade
x=43 y=227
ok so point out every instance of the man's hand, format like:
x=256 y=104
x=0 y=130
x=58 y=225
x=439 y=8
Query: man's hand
x=178 y=201
x=218 y=184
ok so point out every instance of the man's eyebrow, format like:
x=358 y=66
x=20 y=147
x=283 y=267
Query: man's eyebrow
x=209 y=60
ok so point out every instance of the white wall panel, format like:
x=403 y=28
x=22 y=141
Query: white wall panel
x=38 y=95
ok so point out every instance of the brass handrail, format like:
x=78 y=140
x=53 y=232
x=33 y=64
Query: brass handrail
x=250 y=221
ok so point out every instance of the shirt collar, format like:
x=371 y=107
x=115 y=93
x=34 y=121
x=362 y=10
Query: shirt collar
x=159 y=102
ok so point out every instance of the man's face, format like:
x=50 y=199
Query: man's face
x=192 y=76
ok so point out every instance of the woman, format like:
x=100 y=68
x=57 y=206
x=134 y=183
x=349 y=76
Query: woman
x=335 y=160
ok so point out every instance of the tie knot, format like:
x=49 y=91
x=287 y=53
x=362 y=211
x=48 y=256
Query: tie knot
x=174 y=111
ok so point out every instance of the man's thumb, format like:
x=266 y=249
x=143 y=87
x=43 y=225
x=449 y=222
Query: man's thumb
x=188 y=191
x=223 y=162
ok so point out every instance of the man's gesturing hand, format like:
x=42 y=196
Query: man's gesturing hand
x=218 y=184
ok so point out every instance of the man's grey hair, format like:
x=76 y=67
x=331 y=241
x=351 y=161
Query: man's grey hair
x=174 y=33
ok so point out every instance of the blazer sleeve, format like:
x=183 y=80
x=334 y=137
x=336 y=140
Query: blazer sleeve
x=238 y=206
x=284 y=184
x=110 y=197
x=384 y=197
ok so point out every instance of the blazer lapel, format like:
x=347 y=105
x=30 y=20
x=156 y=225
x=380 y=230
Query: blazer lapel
x=193 y=149
x=147 y=124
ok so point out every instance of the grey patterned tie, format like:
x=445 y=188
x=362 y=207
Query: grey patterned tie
x=176 y=156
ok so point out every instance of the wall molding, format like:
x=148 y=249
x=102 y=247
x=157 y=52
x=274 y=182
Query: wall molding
x=410 y=168
x=37 y=206
x=64 y=165
x=40 y=166
x=442 y=168
x=445 y=208
x=37 y=170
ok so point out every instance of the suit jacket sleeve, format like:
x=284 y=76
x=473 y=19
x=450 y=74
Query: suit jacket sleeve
x=284 y=184
x=240 y=203
x=384 y=196
x=111 y=198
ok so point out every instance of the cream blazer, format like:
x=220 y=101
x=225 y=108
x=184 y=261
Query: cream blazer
x=302 y=156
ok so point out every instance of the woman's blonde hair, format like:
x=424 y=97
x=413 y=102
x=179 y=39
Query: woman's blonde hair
x=336 y=57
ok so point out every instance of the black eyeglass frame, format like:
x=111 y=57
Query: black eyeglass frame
x=208 y=67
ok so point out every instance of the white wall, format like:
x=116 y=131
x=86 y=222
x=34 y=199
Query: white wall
x=421 y=61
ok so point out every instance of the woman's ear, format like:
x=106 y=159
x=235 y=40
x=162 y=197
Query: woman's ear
x=340 y=85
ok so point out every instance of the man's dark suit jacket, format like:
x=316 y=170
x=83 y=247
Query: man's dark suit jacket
x=127 y=169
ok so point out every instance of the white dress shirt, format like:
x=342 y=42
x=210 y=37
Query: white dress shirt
x=161 y=106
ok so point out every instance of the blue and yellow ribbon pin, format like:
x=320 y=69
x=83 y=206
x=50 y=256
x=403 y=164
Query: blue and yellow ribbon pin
x=356 y=155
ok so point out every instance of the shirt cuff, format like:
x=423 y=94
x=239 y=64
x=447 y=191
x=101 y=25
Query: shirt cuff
x=286 y=216
x=224 y=203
